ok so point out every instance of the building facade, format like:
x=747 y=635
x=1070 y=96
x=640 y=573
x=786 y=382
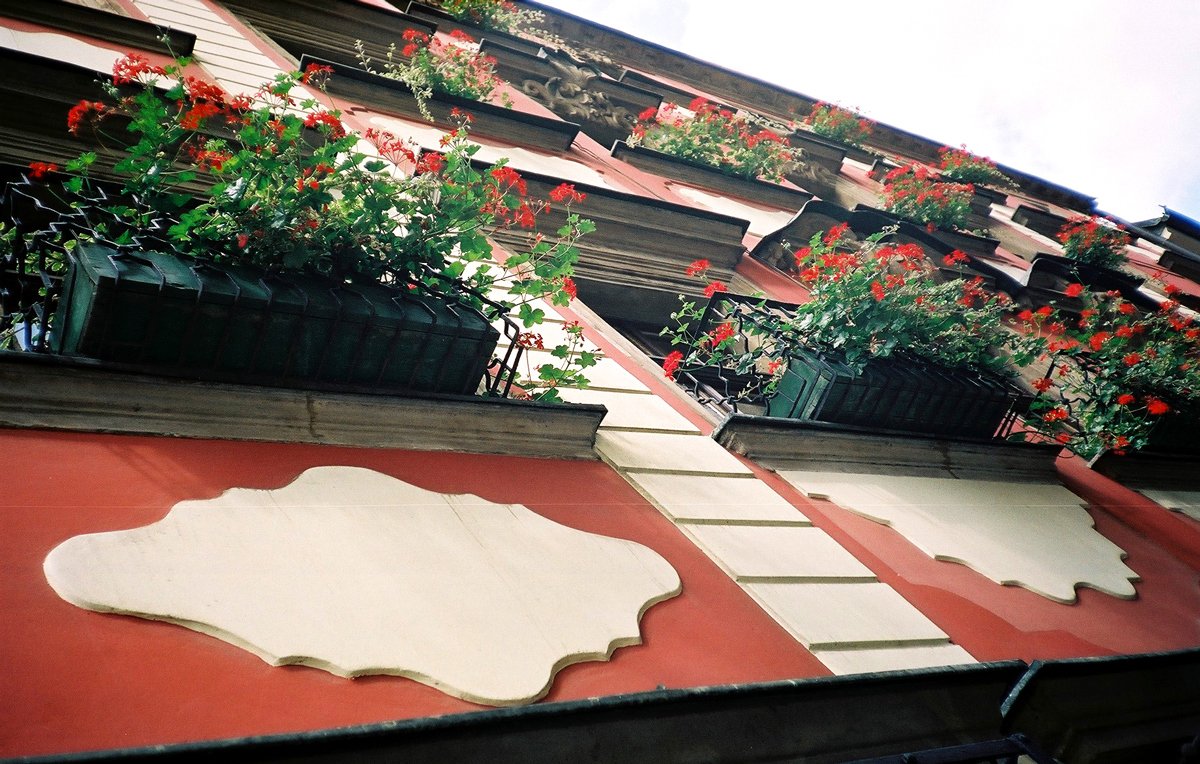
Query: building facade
x=325 y=572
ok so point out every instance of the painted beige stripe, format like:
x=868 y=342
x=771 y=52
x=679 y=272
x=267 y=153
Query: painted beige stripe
x=1184 y=502
x=633 y=411
x=695 y=499
x=655 y=452
x=863 y=661
x=765 y=553
x=846 y=615
x=611 y=376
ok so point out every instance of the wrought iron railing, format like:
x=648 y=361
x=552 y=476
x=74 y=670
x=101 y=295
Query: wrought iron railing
x=44 y=233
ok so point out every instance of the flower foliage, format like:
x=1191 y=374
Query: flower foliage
x=868 y=300
x=286 y=188
x=716 y=137
x=915 y=192
x=1094 y=241
x=429 y=64
x=499 y=15
x=839 y=124
x=962 y=166
x=1116 y=374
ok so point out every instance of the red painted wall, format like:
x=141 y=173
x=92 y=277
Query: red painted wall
x=72 y=679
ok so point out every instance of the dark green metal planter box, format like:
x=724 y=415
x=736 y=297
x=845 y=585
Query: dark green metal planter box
x=242 y=324
x=892 y=395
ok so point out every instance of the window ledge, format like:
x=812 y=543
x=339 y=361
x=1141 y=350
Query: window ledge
x=793 y=444
x=1148 y=469
x=751 y=189
x=58 y=393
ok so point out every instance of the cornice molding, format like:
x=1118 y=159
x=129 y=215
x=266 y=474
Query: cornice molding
x=605 y=108
x=392 y=96
x=792 y=444
x=693 y=173
x=102 y=25
x=328 y=29
x=55 y=393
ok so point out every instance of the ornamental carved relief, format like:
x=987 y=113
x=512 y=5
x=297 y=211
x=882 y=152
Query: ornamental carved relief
x=570 y=93
x=355 y=572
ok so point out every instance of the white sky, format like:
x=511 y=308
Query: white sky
x=1101 y=96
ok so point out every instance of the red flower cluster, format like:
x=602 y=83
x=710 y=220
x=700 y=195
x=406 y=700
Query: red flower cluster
x=671 y=363
x=565 y=193
x=916 y=192
x=722 y=333
x=133 y=68
x=714 y=287
x=964 y=167
x=327 y=122
x=531 y=340
x=839 y=124
x=1094 y=241
x=83 y=113
x=39 y=170
x=711 y=135
x=393 y=149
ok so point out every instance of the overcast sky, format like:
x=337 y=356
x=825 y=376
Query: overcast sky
x=1101 y=96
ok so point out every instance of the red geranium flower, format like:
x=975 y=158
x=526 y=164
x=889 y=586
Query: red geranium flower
x=698 y=267
x=82 y=112
x=565 y=192
x=715 y=287
x=1055 y=414
x=38 y=170
x=1074 y=290
x=1124 y=399
x=1157 y=407
x=671 y=363
x=1098 y=339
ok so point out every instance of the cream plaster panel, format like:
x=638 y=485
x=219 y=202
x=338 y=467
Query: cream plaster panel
x=1184 y=502
x=793 y=553
x=846 y=615
x=633 y=411
x=762 y=222
x=867 y=661
x=61 y=48
x=429 y=137
x=661 y=452
x=701 y=499
x=607 y=374
x=1034 y=535
x=355 y=572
